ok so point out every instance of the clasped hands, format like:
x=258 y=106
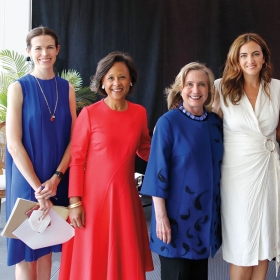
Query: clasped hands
x=43 y=195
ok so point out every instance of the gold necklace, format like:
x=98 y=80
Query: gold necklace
x=52 y=115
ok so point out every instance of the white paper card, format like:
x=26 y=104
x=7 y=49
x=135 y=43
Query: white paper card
x=37 y=223
x=58 y=232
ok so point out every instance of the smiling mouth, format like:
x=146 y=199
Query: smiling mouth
x=195 y=97
x=251 y=66
x=45 y=60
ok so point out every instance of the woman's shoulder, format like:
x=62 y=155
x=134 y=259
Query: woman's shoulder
x=171 y=113
x=170 y=117
x=25 y=78
x=213 y=117
x=275 y=83
x=93 y=107
x=61 y=80
x=217 y=82
x=136 y=106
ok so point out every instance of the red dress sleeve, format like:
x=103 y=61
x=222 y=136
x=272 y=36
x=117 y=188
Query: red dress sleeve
x=143 y=150
x=79 y=147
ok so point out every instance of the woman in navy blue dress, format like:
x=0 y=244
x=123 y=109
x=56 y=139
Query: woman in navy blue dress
x=40 y=115
x=183 y=175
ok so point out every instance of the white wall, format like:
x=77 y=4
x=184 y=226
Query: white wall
x=15 y=23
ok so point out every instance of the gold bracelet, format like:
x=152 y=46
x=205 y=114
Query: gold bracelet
x=74 y=205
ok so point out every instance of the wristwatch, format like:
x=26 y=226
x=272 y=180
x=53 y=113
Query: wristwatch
x=59 y=174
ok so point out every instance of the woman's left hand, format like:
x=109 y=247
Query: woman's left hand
x=77 y=217
x=47 y=189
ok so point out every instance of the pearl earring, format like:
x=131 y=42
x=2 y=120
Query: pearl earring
x=131 y=84
x=103 y=87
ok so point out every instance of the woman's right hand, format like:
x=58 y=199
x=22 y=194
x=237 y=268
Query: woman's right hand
x=163 y=229
x=45 y=205
x=77 y=217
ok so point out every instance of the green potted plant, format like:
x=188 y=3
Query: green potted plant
x=14 y=65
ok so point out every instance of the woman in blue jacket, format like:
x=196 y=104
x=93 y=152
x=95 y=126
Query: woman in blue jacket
x=183 y=175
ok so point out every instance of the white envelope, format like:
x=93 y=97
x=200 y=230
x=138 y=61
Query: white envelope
x=58 y=232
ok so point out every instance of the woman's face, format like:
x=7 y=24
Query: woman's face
x=43 y=51
x=117 y=81
x=251 y=59
x=195 y=91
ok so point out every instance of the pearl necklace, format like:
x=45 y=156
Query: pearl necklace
x=193 y=117
x=52 y=115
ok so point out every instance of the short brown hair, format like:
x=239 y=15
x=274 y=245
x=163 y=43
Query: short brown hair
x=105 y=64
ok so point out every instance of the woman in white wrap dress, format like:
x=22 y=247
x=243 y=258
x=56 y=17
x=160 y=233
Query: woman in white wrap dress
x=248 y=100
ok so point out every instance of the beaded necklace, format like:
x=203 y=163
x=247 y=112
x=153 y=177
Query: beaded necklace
x=191 y=116
x=52 y=115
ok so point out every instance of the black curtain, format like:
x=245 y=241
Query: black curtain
x=161 y=36
x=89 y=30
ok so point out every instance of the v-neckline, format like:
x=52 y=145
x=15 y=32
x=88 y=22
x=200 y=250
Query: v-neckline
x=256 y=109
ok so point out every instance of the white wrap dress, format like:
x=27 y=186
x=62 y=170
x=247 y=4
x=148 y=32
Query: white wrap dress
x=250 y=196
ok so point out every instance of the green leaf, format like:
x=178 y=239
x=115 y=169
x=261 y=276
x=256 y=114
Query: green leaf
x=73 y=77
x=85 y=97
x=3 y=111
x=13 y=67
x=14 y=64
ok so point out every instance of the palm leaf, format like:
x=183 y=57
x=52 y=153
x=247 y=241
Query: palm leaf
x=5 y=81
x=3 y=110
x=14 y=64
x=85 y=97
x=73 y=77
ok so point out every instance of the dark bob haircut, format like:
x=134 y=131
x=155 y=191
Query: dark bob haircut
x=105 y=64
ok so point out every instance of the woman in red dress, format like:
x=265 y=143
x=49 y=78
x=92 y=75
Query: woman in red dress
x=111 y=239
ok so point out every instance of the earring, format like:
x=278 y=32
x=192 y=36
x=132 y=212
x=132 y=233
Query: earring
x=29 y=59
x=103 y=87
x=131 y=84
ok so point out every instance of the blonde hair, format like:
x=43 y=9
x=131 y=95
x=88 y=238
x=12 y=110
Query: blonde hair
x=233 y=79
x=173 y=93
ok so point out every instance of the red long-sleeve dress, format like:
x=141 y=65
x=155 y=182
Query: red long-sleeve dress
x=114 y=243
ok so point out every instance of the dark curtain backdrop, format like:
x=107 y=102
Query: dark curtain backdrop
x=161 y=36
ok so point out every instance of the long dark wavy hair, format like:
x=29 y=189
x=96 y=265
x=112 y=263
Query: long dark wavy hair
x=233 y=80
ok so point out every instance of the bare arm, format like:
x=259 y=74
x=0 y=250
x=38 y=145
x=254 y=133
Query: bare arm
x=216 y=106
x=163 y=229
x=14 y=135
x=14 y=141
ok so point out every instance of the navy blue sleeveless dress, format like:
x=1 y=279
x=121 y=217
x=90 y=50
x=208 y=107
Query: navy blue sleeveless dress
x=45 y=143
